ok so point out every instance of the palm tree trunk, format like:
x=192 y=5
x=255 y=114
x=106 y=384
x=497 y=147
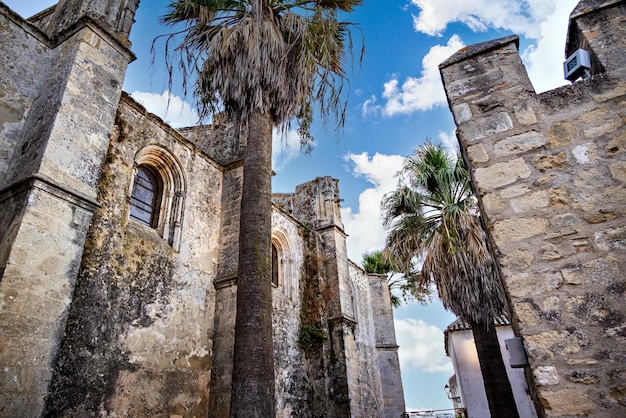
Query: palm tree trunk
x=253 y=362
x=497 y=385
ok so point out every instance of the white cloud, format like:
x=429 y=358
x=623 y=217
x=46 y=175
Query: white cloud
x=421 y=347
x=285 y=147
x=171 y=108
x=450 y=142
x=520 y=16
x=421 y=93
x=542 y=21
x=365 y=228
x=545 y=59
x=369 y=107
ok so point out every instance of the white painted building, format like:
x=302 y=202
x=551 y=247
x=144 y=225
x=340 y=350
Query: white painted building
x=466 y=387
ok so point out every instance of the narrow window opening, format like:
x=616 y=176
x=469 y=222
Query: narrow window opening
x=146 y=197
x=274 y=265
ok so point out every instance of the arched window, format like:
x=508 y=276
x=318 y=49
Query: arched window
x=157 y=196
x=284 y=269
x=275 y=265
x=145 y=199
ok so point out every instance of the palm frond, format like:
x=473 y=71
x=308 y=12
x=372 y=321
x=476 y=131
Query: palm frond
x=279 y=57
x=433 y=216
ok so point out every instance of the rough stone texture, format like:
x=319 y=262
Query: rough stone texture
x=148 y=306
x=385 y=337
x=35 y=296
x=360 y=354
x=48 y=184
x=551 y=185
x=102 y=315
x=19 y=84
x=218 y=140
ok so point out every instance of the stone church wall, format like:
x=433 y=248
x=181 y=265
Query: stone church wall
x=139 y=335
x=550 y=173
x=368 y=379
x=290 y=363
x=101 y=315
x=385 y=344
x=47 y=190
x=19 y=85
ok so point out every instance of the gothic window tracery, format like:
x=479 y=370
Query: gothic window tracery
x=275 y=266
x=145 y=198
x=157 y=193
x=284 y=270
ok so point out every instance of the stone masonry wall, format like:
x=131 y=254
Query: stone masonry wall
x=220 y=140
x=34 y=296
x=19 y=86
x=226 y=294
x=76 y=100
x=550 y=173
x=103 y=316
x=49 y=86
x=139 y=336
x=290 y=364
x=386 y=346
x=368 y=380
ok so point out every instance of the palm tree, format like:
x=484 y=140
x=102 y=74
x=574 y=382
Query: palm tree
x=433 y=218
x=377 y=262
x=264 y=63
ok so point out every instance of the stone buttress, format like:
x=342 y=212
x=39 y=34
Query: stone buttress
x=63 y=80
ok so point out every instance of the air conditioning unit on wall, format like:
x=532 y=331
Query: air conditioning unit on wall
x=577 y=65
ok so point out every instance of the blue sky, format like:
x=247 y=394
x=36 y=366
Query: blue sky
x=396 y=102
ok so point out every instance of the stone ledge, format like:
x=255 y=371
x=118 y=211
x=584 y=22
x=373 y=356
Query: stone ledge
x=222 y=282
x=478 y=49
x=586 y=6
x=50 y=186
x=387 y=347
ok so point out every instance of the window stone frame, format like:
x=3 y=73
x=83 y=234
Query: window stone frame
x=163 y=163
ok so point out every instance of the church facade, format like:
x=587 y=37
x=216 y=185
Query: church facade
x=119 y=243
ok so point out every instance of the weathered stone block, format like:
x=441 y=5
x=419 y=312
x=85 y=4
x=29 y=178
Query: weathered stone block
x=551 y=252
x=616 y=145
x=477 y=153
x=493 y=204
x=530 y=284
x=559 y=197
x=572 y=276
x=599 y=122
x=525 y=114
x=551 y=303
x=518 y=229
x=518 y=144
x=562 y=133
x=493 y=124
x=611 y=239
x=544 y=162
x=618 y=171
x=462 y=112
x=501 y=174
x=585 y=153
x=546 y=375
x=527 y=314
x=515 y=191
x=567 y=402
x=518 y=259
x=546 y=345
x=531 y=202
